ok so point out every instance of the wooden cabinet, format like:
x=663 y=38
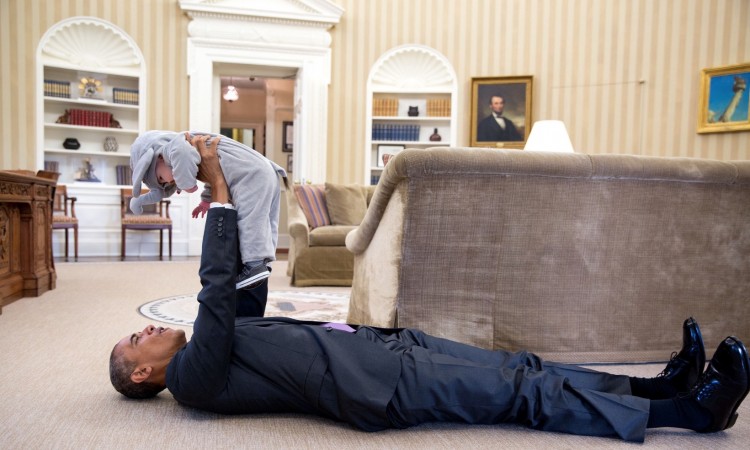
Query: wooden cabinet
x=26 y=265
x=411 y=99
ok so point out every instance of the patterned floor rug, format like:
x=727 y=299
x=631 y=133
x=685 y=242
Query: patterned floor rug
x=320 y=306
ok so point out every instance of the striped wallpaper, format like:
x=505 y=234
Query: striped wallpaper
x=622 y=74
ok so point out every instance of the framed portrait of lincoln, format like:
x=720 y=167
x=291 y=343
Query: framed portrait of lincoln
x=501 y=111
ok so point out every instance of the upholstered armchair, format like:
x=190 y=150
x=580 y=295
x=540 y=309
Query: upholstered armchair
x=319 y=217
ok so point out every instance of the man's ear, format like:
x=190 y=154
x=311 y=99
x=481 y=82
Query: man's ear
x=141 y=374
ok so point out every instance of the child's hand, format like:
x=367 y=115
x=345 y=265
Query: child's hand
x=201 y=209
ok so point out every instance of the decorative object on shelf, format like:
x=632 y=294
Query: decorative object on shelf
x=386 y=152
x=724 y=99
x=63 y=118
x=500 y=111
x=125 y=96
x=287 y=135
x=90 y=88
x=289 y=163
x=231 y=94
x=435 y=137
x=87 y=172
x=110 y=144
x=413 y=111
x=71 y=144
x=54 y=88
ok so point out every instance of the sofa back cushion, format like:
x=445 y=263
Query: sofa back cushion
x=347 y=204
x=312 y=200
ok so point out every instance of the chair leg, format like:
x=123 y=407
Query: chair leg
x=170 y=243
x=161 y=244
x=75 y=241
x=122 y=245
x=66 y=244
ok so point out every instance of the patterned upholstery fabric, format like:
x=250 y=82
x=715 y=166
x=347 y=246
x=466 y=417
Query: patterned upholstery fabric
x=145 y=219
x=59 y=218
x=312 y=200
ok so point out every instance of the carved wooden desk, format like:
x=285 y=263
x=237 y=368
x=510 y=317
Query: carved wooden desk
x=26 y=264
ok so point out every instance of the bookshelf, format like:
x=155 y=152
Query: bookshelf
x=411 y=99
x=90 y=90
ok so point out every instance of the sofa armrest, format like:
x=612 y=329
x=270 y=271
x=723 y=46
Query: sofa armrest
x=359 y=239
x=299 y=229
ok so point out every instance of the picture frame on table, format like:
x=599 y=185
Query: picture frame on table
x=385 y=152
x=287 y=137
x=511 y=98
x=724 y=99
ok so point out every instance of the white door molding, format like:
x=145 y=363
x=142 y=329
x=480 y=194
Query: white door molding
x=289 y=35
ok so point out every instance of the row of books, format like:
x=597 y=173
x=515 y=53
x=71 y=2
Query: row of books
x=436 y=107
x=125 y=96
x=385 y=107
x=52 y=166
x=89 y=118
x=439 y=107
x=395 y=132
x=54 y=88
x=124 y=175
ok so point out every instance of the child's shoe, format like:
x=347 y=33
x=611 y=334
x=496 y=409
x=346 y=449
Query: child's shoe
x=251 y=277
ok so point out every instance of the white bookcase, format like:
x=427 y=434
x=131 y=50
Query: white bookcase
x=409 y=77
x=80 y=47
x=88 y=47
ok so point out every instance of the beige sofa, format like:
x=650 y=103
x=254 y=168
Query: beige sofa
x=576 y=257
x=317 y=253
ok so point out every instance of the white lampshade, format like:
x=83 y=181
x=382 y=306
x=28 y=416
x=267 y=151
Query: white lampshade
x=549 y=136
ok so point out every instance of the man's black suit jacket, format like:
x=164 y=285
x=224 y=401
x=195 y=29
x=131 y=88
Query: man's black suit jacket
x=260 y=365
x=489 y=131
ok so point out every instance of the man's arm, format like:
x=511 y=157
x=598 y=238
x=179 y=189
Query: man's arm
x=209 y=170
x=200 y=370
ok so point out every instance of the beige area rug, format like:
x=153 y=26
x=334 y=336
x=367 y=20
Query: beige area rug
x=55 y=391
x=300 y=305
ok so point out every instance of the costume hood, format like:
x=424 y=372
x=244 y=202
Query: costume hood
x=143 y=155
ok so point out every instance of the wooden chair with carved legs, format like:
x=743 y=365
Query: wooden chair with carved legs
x=154 y=217
x=64 y=217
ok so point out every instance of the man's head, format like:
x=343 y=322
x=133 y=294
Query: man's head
x=138 y=363
x=497 y=103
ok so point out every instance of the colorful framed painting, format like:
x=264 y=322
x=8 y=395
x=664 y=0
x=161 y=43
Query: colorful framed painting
x=724 y=104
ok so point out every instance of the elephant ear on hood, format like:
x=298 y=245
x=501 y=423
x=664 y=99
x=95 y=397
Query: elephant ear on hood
x=143 y=155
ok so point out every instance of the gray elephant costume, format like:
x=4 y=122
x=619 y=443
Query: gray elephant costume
x=253 y=182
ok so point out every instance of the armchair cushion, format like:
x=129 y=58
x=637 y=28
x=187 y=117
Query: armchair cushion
x=347 y=204
x=331 y=236
x=312 y=200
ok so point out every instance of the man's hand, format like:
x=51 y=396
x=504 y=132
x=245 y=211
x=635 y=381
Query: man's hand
x=209 y=170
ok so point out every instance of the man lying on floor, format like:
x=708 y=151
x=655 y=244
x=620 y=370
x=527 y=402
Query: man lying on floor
x=395 y=378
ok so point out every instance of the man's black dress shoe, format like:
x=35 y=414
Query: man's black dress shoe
x=685 y=367
x=723 y=385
